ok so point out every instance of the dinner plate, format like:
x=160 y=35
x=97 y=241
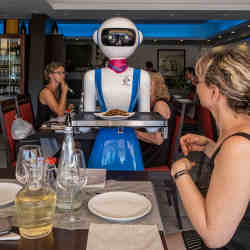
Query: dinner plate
x=114 y=117
x=120 y=206
x=8 y=192
x=177 y=96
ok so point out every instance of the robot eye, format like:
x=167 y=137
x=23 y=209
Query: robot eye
x=110 y=37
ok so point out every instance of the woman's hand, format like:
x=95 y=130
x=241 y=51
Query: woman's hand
x=182 y=164
x=64 y=87
x=193 y=142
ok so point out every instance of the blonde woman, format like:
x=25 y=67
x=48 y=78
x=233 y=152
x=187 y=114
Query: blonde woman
x=49 y=103
x=154 y=147
x=222 y=217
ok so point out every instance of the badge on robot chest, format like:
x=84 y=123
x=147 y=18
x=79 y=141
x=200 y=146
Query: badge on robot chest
x=126 y=81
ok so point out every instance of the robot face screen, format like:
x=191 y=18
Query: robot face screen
x=118 y=37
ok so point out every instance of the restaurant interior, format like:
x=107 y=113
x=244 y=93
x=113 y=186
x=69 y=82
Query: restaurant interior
x=175 y=34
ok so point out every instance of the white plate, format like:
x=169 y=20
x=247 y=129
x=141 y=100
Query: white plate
x=113 y=117
x=8 y=192
x=120 y=206
x=177 y=96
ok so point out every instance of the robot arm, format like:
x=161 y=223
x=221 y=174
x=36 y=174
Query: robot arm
x=144 y=92
x=89 y=96
x=144 y=97
x=89 y=92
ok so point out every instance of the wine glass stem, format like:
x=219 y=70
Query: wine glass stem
x=71 y=217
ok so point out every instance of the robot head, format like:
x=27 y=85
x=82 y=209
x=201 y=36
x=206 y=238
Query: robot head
x=118 y=38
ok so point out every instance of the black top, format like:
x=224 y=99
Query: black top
x=43 y=114
x=156 y=155
x=241 y=238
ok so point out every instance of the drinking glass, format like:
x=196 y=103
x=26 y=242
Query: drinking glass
x=27 y=155
x=72 y=177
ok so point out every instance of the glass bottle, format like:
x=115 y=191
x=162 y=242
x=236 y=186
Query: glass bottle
x=64 y=200
x=35 y=204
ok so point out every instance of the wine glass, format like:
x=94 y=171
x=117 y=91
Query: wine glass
x=72 y=177
x=27 y=155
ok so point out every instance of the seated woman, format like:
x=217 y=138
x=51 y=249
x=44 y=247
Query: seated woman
x=222 y=217
x=153 y=146
x=50 y=104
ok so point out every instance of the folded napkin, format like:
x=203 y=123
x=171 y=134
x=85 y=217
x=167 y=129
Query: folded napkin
x=123 y=237
x=96 y=178
x=10 y=236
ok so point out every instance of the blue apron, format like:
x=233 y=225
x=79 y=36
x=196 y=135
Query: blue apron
x=114 y=149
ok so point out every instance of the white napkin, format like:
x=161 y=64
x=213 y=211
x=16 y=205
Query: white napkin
x=96 y=178
x=10 y=236
x=123 y=237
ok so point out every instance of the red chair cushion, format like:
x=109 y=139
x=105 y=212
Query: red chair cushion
x=207 y=123
x=163 y=168
x=9 y=117
x=27 y=112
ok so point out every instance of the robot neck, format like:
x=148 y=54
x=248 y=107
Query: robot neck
x=118 y=65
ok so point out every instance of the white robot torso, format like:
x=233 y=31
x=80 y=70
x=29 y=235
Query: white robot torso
x=116 y=89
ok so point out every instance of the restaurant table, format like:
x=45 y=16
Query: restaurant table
x=62 y=239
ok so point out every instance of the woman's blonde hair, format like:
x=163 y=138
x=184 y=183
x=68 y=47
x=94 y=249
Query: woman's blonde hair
x=161 y=89
x=50 y=68
x=229 y=70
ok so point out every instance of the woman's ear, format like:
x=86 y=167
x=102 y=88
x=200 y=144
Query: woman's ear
x=215 y=93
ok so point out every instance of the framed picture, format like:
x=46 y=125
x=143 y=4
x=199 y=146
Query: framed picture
x=171 y=62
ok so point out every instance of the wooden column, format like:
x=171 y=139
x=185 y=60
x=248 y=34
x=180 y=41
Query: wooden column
x=36 y=56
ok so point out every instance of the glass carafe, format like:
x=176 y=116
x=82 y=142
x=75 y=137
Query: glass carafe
x=35 y=204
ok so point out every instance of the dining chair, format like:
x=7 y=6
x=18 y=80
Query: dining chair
x=25 y=108
x=7 y=115
x=169 y=184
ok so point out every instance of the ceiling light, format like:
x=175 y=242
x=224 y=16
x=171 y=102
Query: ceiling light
x=233 y=32
x=209 y=40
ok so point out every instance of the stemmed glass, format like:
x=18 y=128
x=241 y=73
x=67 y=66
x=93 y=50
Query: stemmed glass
x=27 y=155
x=72 y=177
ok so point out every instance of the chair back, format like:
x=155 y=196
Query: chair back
x=7 y=115
x=25 y=108
x=173 y=133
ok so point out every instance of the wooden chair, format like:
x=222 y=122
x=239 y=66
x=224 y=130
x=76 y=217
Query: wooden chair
x=7 y=115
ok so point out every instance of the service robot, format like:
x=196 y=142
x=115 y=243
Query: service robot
x=117 y=86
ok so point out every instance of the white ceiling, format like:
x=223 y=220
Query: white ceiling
x=135 y=9
x=149 y=4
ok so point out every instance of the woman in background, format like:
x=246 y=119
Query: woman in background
x=154 y=147
x=222 y=217
x=50 y=104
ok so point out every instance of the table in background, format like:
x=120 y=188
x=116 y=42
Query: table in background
x=76 y=239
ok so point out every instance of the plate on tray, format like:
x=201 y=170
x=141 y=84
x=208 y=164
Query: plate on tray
x=120 y=206
x=114 y=117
